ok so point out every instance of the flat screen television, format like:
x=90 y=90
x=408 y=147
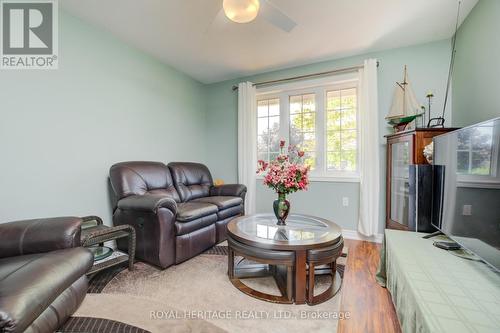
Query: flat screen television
x=467 y=188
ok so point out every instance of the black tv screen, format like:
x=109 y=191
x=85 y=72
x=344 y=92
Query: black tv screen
x=467 y=188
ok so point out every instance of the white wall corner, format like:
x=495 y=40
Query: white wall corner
x=354 y=234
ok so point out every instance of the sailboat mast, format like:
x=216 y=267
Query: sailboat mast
x=404 y=92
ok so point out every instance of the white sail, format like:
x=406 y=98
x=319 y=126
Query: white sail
x=398 y=104
x=412 y=108
x=404 y=102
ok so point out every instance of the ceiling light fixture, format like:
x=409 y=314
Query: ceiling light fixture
x=241 y=11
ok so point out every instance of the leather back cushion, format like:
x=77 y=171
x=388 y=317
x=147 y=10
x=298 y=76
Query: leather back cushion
x=192 y=180
x=141 y=177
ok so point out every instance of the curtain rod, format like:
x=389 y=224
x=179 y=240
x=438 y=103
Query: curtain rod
x=294 y=78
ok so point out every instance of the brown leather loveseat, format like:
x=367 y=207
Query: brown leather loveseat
x=42 y=273
x=176 y=210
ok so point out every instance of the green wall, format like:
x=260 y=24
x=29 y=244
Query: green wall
x=476 y=76
x=428 y=67
x=61 y=130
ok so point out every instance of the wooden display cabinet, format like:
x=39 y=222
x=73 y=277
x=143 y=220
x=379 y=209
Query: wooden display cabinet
x=404 y=148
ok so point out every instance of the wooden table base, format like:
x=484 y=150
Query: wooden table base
x=242 y=271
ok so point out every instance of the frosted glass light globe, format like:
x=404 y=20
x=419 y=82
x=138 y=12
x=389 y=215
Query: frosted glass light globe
x=241 y=11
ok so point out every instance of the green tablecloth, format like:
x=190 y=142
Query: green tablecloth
x=435 y=291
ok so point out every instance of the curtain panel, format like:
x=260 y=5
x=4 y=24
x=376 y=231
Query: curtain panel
x=247 y=142
x=369 y=187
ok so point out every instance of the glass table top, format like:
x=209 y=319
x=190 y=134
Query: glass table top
x=298 y=228
x=100 y=252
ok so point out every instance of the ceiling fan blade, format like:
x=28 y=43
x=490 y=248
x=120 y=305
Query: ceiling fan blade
x=275 y=16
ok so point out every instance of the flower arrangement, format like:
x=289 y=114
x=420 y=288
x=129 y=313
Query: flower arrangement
x=286 y=174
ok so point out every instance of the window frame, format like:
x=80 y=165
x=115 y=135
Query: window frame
x=318 y=87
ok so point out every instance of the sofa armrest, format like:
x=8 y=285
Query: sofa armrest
x=39 y=235
x=235 y=190
x=147 y=203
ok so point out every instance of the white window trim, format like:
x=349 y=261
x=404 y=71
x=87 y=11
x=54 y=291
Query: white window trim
x=319 y=87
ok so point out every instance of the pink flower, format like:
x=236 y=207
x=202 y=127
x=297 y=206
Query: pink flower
x=300 y=153
x=262 y=166
x=282 y=143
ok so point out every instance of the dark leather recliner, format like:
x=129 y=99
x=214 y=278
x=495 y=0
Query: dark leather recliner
x=42 y=273
x=176 y=210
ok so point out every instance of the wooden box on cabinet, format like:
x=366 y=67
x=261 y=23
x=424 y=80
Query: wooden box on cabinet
x=403 y=149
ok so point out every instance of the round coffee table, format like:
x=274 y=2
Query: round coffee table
x=283 y=252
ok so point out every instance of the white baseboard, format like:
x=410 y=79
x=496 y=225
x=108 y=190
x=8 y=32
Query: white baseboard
x=353 y=234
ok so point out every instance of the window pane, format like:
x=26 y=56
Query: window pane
x=296 y=137
x=303 y=126
x=348 y=160
x=296 y=122
x=295 y=104
x=274 y=124
x=333 y=100
x=349 y=119
x=463 y=162
x=333 y=121
x=309 y=122
x=463 y=140
x=341 y=136
x=274 y=143
x=349 y=140
x=481 y=163
x=348 y=98
x=262 y=143
x=333 y=160
x=308 y=103
x=274 y=107
x=333 y=141
x=262 y=108
x=268 y=126
x=262 y=156
x=310 y=159
x=262 y=126
x=309 y=142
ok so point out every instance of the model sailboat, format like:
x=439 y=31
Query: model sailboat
x=405 y=107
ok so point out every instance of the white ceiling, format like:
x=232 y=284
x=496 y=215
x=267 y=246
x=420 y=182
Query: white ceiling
x=182 y=33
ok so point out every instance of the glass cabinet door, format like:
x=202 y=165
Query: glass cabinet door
x=400 y=161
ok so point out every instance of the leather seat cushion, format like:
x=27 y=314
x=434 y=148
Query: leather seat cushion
x=188 y=211
x=243 y=249
x=30 y=283
x=331 y=252
x=182 y=228
x=222 y=202
x=230 y=212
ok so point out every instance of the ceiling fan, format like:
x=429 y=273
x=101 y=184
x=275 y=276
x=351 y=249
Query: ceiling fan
x=245 y=11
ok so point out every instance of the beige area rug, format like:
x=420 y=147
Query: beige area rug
x=196 y=296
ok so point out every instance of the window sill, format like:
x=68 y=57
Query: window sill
x=326 y=179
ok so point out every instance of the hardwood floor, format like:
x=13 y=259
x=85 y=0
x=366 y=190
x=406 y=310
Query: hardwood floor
x=369 y=304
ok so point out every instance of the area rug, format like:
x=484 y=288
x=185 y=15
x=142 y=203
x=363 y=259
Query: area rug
x=196 y=296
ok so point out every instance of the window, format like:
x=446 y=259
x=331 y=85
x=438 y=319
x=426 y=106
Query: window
x=342 y=133
x=474 y=151
x=268 y=125
x=303 y=126
x=320 y=120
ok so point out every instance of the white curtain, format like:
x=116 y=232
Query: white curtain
x=247 y=142
x=369 y=196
